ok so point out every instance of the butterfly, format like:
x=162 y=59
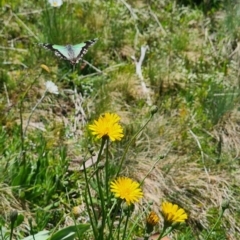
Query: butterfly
x=72 y=53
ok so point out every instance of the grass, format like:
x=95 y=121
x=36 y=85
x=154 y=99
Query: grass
x=188 y=154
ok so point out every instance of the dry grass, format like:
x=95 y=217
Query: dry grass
x=175 y=152
x=9 y=203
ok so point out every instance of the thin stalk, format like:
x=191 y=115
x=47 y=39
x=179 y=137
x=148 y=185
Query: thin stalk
x=119 y=224
x=57 y=226
x=160 y=158
x=88 y=192
x=107 y=179
x=163 y=234
x=146 y=237
x=33 y=110
x=107 y=169
x=78 y=231
x=22 y=153
x=100 y=189
x=115 y=206
x=13 y=218
x=1 y=232
x=55 y=23
x=134 y=224
x=73 y=217
x=126 y=223
x=22 y=135
x=31 y=229
x=219 y=218
x=130 y=142
x=25 y=26
x=11 y=231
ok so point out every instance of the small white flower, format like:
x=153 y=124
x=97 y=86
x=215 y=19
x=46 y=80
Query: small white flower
x=55 y=3
x=51 y=87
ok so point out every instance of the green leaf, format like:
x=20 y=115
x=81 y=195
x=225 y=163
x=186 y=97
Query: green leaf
x=70 y=236
x=20 y=219
x=2 y=221
x=4 y=231
x=43 y=235
x=69 y=233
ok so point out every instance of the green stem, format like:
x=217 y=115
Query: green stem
x=73 y=217
x=164 y=232
x=130 y=142
x=88 y=192
x=57 y=226
x=219 y=218
x=22 y=155
x=11 y=231
x=126 y=223
x=107 y=180
x=146 y=237
x=112 y=216
x=33 y=110
x=136 y=221
x=101 y=195
x=160 y=158
x=119 y=224
x=31 y=229
x=2 y=237
x=107 y=169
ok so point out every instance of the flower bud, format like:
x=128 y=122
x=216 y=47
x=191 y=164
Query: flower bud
x=153 y=109
x=13 y=216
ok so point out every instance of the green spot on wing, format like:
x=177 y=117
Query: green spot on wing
x=62 y=49
x=77 y=48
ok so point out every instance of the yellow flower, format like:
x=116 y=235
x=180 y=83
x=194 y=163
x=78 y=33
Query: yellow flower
x=107 y=126
x=172 y=213
x=152 y=219
x=76 y=211
x=127 y=189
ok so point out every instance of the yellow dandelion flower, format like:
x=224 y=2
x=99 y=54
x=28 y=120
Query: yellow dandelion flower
x=127 y=189
x=152 y=218
x=151 y=221
x=107 y=126
x=172 y=213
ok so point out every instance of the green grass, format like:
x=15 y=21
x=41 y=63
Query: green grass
x=187 y=154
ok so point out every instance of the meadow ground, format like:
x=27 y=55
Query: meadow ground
x=168 y=69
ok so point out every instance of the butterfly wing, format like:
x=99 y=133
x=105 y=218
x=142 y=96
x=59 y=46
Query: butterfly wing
x=81 y=49
x=60 y=51
x=71 y=53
